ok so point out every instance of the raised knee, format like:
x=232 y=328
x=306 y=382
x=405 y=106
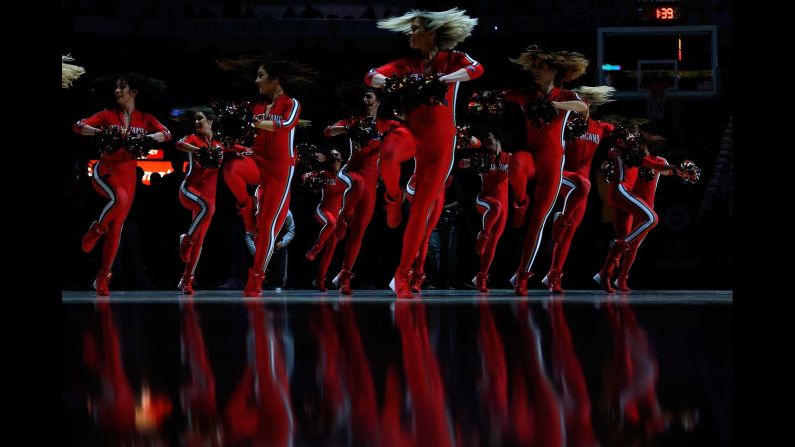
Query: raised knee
x=582 y=182
x=654 y=219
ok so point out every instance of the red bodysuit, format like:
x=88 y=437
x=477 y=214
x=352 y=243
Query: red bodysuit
x=197 y=194
x=114 y=178
x=429 y=137
x=492 y=203
x=417 y=277
x=644 y=190
x=275 y=158
x=633 y=217
x=240 y=172
x=326 y=213
x=360 y=175
x=575 y=187
x=541 y=158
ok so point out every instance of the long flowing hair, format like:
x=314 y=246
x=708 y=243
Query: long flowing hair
x=451 y=26
x=69 y=72
x=569 y=65
x=596 y=96
x=291 y=75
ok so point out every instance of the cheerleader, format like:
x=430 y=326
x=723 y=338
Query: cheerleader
x=360 y=174
x=492 y=203
x=575 y=185
x=327 y=210
x=275 y=119
x=197 y=191
x=114 y=173
x=540 y=157
x=645 y=189
x=633 y=217
x=430 y=130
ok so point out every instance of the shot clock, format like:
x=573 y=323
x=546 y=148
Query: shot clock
x=659 y=11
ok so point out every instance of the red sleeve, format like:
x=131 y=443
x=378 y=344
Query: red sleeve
x=607 y=129
x=98 y=120
x=656 y=163
x=289 y=119
x=191 y=139
x=387 y=70
x=184 y=140
x=340 y=123
x=463 y=60
x=153 y=124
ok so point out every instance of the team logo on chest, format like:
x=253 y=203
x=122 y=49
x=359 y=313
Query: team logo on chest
x=588 y=136
x=498 y=167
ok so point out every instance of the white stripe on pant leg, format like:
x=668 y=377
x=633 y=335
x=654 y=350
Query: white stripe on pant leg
x=641 y=228
x=105 y=187
x=544 y=220
x=455 y=134
x=455 y=100
x=572 y=186
x=291 y=143
x=409 y=190
x=272 y=235
x=193 y=270
x=345 y=179
x=199 y=217
x=256 y=199
x=486 y=205
x=428 y=217
x=323 y=219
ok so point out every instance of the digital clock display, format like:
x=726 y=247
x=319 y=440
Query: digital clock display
x=659 y=10
x=671 y=13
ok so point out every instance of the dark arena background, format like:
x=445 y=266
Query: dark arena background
x=150 y=366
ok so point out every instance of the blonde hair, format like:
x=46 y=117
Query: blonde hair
x=596 y=96
x=69 y=72
x=451 y=26
x=569 y=65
